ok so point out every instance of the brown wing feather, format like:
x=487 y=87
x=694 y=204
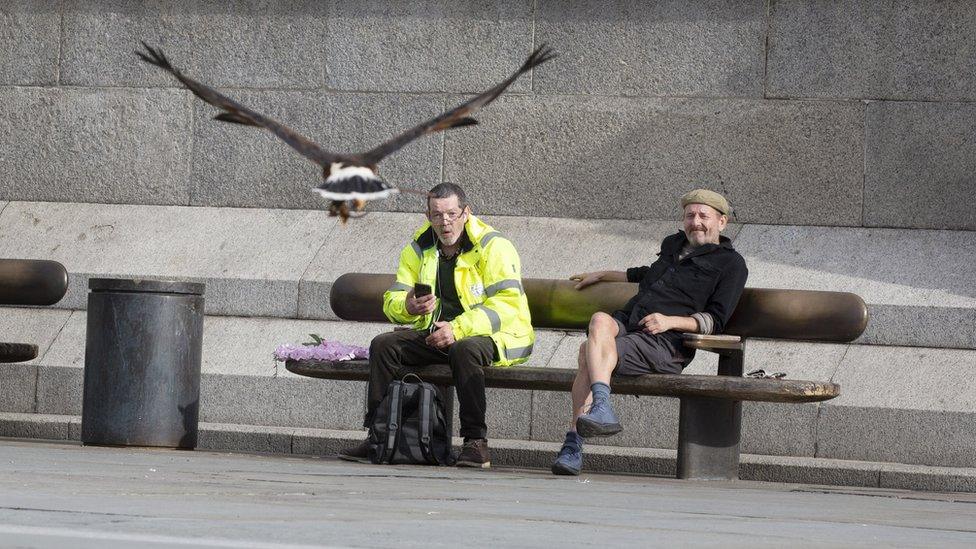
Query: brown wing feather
x=239 y=114
x=457 y=116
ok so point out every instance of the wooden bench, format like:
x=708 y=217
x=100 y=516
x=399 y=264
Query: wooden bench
x=709 y=426
x=29 y=282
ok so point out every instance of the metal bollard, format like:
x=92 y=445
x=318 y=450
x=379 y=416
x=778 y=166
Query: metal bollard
x=142 y=363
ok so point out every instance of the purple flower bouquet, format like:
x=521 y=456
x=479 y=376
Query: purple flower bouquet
x=322 y=349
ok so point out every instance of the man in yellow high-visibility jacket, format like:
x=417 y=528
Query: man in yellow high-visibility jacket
x=476 y=315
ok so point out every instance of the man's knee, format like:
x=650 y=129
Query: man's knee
x=475 y=350
x=602 y=325
x=383 y=344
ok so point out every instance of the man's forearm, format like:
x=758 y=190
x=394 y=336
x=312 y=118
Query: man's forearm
x=683 y=324
x=613 y=276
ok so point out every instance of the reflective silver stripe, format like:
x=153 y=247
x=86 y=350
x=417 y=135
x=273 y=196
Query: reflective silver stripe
x=400 y=286
x=518 y=352
x=496 y=321
x=487 y=238
x=418 y=249
x=504 y=285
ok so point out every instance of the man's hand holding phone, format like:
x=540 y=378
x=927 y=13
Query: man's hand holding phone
x=421 y=300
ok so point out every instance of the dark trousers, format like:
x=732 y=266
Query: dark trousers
x=467 y=358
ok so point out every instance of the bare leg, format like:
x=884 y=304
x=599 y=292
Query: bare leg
x=581 y=388
x=601 y=349
x=597 y=359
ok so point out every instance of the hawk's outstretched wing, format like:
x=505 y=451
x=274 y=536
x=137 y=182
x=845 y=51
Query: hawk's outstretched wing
x=457 y=116
x=236 y=113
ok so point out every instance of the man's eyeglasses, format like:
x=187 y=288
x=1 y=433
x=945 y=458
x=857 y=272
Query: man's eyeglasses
x=447 y=216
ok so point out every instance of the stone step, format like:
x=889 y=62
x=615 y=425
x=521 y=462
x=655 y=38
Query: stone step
x=898 y=404
x=538 y=455
x=919 y=284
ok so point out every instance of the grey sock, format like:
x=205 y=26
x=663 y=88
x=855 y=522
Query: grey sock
x=601 y=391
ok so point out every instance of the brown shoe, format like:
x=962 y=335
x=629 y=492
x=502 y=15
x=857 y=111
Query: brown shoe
x=358 y=453
x=474 y=453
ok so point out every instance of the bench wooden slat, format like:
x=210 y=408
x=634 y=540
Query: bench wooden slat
x=761 y=312
x=561 y=379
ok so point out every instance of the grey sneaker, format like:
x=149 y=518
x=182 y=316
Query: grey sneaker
x=474 y=453
x=601 y=421
x=358 y=453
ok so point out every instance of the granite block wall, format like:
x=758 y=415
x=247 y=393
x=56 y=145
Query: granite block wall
x=805 y=112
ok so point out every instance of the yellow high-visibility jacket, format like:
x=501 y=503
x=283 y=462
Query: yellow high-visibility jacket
x=488 y=279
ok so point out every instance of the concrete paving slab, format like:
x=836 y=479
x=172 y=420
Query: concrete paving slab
x=252 y=259
x=68 y=348
x=918 y=163
x=368 y=245
x=92 y=145
x=913 y=268
x=244 y=44
x=534 y=454
x=902 y=50
x=910 y=378
x=18 y=385
x=288 y=402
x=37 y=426
x=939 y=327
x=894 y=397
x=922 y=437
x=32 y=62
x=239 y=166
x=458 y=47
x=809 y=470
x=917 y=283
x=779 y=162
x=40 y=326
x=934 y=479
x=244 y=346
x=60 y=390
x=664 y=48
x=558 y=248
x=140 y=496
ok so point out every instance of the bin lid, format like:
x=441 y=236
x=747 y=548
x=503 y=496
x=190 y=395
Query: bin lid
x=145 y=285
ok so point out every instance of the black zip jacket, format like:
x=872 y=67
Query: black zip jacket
x=710 y=279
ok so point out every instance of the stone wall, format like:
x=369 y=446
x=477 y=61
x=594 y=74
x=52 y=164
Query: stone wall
x=805 y=112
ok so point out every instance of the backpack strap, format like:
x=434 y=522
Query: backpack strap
x=426 y=415
x=393 y=425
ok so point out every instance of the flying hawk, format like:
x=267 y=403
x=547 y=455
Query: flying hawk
x=350 y=179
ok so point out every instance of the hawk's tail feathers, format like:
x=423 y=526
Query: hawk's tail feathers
x=461 y=122
x=235 y=118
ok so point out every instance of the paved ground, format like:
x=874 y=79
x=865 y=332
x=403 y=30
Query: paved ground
x=57 y=495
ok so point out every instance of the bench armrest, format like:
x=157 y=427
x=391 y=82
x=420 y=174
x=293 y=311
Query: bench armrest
x=714 y=343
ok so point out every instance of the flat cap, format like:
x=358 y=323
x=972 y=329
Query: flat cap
x=707 y=197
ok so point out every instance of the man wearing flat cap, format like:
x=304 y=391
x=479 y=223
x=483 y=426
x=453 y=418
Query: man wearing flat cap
x=693 y=286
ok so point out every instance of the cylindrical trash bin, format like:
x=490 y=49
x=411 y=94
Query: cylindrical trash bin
x=142 y=363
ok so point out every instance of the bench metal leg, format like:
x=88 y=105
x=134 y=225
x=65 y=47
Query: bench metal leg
x=708 y=438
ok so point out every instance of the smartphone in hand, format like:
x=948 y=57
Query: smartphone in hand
x=420 y=290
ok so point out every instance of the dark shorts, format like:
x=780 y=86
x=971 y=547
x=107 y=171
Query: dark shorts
x=640 y=353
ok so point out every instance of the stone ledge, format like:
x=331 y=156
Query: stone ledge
x=281 y=263
x=524 y=454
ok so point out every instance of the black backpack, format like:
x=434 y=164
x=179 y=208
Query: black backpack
x=409 y=426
